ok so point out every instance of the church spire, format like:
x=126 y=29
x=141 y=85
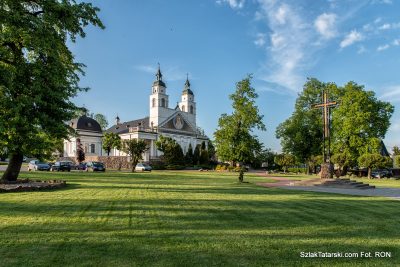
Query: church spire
x=159 y=80
x=158 y=74
x=186 y=89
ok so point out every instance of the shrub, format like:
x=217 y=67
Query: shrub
x=174 y=167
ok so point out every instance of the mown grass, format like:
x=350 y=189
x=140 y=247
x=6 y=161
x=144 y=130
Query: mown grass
x=189 y=219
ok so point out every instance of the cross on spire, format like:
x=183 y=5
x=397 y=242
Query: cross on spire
x=326 y=105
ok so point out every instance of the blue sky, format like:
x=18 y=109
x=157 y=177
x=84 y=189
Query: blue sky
x=219 y=42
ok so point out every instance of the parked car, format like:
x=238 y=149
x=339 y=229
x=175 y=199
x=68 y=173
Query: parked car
x=384 y=173
x=95 y=166
x=61 y=166
x=81 y=166
x=143 y=167
x=36 y=165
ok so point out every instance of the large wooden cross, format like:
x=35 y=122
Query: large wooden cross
x=326 y=105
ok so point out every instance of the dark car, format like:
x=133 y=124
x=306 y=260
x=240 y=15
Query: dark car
x=61 y=166
x=36 y=165
x=381 y=174
x=95 y=166
x=81 y=166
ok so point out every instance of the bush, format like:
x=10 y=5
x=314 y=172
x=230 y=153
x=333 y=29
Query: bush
x=174 y=167
x=298 y=170
x=158 y=166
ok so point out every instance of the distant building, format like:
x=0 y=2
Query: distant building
x=89 y=132
x=178 y=123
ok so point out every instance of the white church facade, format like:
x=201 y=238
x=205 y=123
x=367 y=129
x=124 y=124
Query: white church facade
x=179 y=123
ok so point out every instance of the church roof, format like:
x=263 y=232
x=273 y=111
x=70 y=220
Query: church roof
x=124 y=127
x=186 y=89
x=86 y=124
x=159 y=80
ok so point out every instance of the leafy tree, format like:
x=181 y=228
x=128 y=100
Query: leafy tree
x=314 y=162
x=211 y=151
x=102 y=120
x=264 y=156
x=359 y=122
x=234 y=138
x=301 y=133
x=80 y=153
x=285 y=160
x=397 y=160
x=204 y=159
x=173 y=153
x=134 y=148
x=343 y=160
x=189 y=155
x=396 y=151
x=38 y=74
x=373 y=160
x=196 y=155
x=110 y=141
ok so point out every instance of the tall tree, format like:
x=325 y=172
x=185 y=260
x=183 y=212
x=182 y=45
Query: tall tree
x=38 y=74
x=134 y=148
x=189 y=155
x=234 y=138
x=80 y=153
x=102 y=120
x=211 y=150
x=110 y=141
x=359 y=122
x=301 y=133
x=196 y=155
x=173 y=153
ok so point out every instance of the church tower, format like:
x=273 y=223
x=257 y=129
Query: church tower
x=187 y=104
x=158 y=100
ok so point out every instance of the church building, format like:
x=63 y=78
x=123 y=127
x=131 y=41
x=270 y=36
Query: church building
x=178 y=123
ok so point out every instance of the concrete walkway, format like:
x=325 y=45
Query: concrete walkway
x=286 y=183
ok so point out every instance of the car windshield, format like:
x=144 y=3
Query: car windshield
x=97 y=164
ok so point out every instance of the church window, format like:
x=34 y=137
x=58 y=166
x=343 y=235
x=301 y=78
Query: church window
x=92 y=148
x=153 y=102
x=191 y=109
x=163 y=102
x=183 y=107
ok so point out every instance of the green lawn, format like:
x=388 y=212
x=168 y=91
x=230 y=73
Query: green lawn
x=189 y=219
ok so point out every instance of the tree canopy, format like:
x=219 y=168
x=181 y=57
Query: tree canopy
x=38 y=74
x=358 y=123
x=234 y=138
x=173 y=153
x=134 y=148
x=110 y=141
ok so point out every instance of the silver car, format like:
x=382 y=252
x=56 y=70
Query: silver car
x=36 y=165
x=142 y=167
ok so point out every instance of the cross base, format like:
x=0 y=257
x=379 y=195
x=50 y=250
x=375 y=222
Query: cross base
x=326 y=171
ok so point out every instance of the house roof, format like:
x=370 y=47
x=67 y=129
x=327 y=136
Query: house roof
x=124 y=127
x=86 y=124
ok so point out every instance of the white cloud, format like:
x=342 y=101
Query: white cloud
x=396 y=42
x=235 y=4
x=361 y=50
x=351 y=38
x=382 y=47
x=325 y=25
x=146 y=68
x=260 y=40
x=385 y=26
x=392 y=94
x=289 y=42
x=169 y=73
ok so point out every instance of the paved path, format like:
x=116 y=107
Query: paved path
x=286 y=183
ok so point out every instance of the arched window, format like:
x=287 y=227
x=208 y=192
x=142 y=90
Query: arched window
x=153 y=102
x=183 y=107
x=163 y=102
x=191 y=109
x=92 y=148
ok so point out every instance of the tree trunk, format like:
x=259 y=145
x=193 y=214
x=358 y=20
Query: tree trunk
x=369 y=173
x=134 y=163
x=13 y=168
x=241 y=174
